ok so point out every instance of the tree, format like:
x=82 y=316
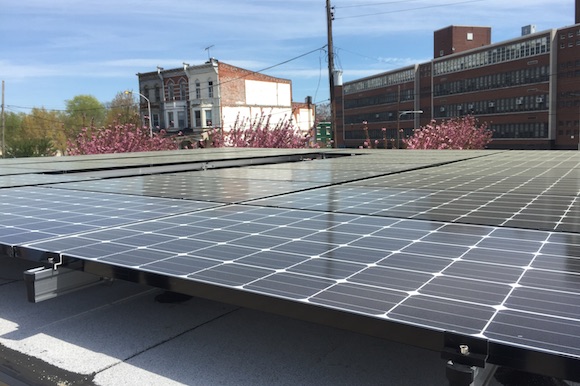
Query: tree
x=13 y=124
x=40 y=134
x=83 y=111
x=30 y=135
x=323 y=113
x=30 y=147
x=123 y=110
x=118 y=139
x=458 y=133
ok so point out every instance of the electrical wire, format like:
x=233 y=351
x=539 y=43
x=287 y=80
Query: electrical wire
x=204 y=88
x=407 y=9
x=374 y=4
x=319 y=74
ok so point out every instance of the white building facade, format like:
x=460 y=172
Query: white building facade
x=217 y=94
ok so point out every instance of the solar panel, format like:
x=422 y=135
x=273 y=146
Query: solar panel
x=451 y=289
x=36 y=213
x=481 y=245
x=517 y=193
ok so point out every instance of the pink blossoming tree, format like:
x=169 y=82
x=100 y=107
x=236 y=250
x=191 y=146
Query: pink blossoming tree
x=258 y=132
x=458 y=134
x=118 y=139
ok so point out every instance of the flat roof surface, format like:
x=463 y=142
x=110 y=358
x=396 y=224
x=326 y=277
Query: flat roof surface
x=414 y=246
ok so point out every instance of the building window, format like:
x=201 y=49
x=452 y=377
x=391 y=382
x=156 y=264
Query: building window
x=181 y=119
x=157 y=94
x=197 y=90
x=170 y=119
x=210 y=89
x=171 y=90
x=208 y=118
x=197 y=114
x=182 y=90
x=156 y=120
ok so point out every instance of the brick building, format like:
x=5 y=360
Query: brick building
x=526 y=89
x=215 y=94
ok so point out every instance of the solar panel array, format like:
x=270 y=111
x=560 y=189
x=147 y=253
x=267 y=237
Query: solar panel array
x=484 y=244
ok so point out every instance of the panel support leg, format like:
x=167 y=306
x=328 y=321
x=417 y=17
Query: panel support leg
x=465 y=375
x=458 y=374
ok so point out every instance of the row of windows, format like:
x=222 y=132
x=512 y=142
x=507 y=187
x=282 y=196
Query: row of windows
x=536 y=130
x=200 y=119
x=497 y=106
x=385 y=116
x=568 y=132
x=378 y=135
x=569 y=103
x=390 y=97
x=182 y=91
x=567 y=124
x=569 y=94
x=504 y=53
x=380 y=81
x=486 y=82
x=156 y=95
x=570 y=34
x=180 y=123
x=568 y=74
x=569 y=64
x=198 y=89
x=570 y=44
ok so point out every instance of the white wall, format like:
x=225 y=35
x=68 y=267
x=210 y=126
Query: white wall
x=304 y=119
x=230 y=114
x=300 y=119
x=260 y=93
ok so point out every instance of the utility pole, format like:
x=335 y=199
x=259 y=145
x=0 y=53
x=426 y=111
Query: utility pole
x=3 y=124
x=329 y=19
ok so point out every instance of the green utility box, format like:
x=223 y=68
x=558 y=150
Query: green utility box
x=324 y=133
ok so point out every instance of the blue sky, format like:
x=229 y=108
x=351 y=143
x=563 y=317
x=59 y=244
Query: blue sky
x=51 y=51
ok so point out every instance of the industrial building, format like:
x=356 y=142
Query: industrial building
x=527 y=90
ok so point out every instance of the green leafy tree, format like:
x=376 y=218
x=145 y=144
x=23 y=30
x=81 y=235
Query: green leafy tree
x=83 y=111
x=30 y=147
x=38 y=133
x=123 y=110
x=13 y=124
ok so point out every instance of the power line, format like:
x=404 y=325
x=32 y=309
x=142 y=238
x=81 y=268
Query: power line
x=204 y=88
x=373 y=4
x=407 y=9
x=268 y=68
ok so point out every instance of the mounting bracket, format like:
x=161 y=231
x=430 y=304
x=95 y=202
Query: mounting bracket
x=46 y=283
x=466 y=360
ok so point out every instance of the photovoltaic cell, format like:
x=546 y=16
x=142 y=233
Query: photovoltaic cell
x=484 y=244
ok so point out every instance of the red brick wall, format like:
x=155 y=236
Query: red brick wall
x=453 y=39
x=232 y=82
